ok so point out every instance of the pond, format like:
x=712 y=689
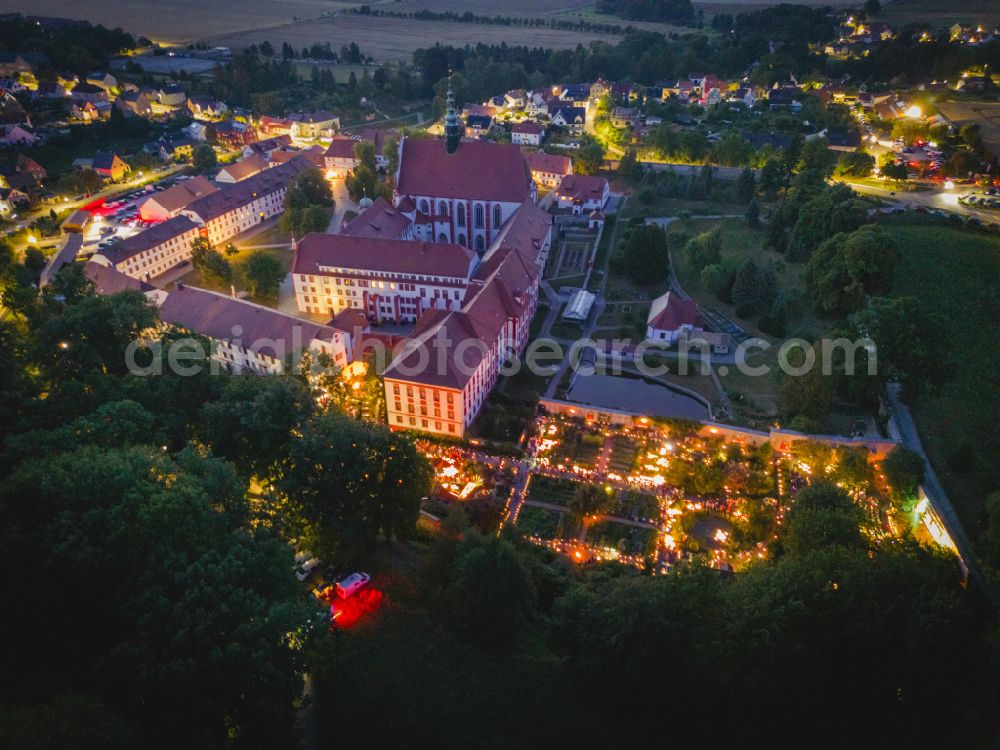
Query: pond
x=637 y=396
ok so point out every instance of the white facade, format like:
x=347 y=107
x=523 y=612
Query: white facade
x=471 y=223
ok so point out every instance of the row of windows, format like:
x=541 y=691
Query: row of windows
x=424 y=425
x=478 y=213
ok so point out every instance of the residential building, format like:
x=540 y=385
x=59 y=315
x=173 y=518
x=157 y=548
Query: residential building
x=583 y=193
x=250 y=337
x=104 y=80
x=478 y=126
x=313 y=125
x=176 y=147
x=460 y=192
x=16 y=135
x=548 y=170
x=84 y=92
x=236 y=208
x=339 y=157
x=574 y=119
x=527 y=133
x=624 y=117
x=272 y=126
x=207 y=108
x=386 y=279
x=267 y=145
x=110 y=166
x=153 y=251
x=168 y=203
x=675 y=321
x=171 y=96
x=233 y=134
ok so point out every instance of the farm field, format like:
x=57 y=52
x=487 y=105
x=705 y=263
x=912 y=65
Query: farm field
x=393 y=39
x=984 y=114
x=941 y=13
x=182 y=20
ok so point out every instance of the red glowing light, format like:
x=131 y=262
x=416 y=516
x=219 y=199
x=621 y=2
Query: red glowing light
x=347 y=612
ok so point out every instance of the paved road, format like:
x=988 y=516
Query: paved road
x=941 y=200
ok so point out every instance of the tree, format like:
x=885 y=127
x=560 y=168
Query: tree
x=713 y=277
x=911 y=340
x=646 y=256
x=251 y=424
x=704 y=249
x=855 y=164
x=746 y=186
x=753 y=214
x=307 y=204
x=589 y=158
x=591 y=500
x=361 y=182
x=732 y=151
x=847 y=268
x=263 y=273
x=754 y=289
x=364 y=152
x=490 y=594
x=816 y=156
x=893 y=170
x=203 y=158
x=210 y=263
x=810 y=394
x=345 y=482
x=904 y=470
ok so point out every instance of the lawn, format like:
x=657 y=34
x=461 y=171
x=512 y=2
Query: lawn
x=957 y=272
x=284 y=255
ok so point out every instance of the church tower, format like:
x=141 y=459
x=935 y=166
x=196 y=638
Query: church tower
x=452 y=125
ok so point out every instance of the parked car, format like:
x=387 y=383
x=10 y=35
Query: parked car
x=303 y=570
x=352 y=584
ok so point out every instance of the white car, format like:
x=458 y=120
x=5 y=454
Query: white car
x=302 y=571
x=350 y=585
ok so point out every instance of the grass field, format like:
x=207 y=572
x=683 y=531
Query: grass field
x=957 y=273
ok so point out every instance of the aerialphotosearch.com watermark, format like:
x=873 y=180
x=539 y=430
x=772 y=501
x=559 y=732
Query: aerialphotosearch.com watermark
x=439 y=355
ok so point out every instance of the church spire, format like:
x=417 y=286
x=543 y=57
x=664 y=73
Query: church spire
x=452 y=125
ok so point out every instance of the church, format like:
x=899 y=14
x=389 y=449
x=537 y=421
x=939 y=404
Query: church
x=460 y=192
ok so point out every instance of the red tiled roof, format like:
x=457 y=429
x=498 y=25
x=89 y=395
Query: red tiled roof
x=313 y=154
x=182 y=194
x=246 y=191
x=583 y=187
x=217 y=315
x=478 y=170
x=549 y=163
x=148 y=239
x=107 y=280
x=672 y=313
x=378 y=255
x=528 y=126
x=378 y=220
x=341 y=147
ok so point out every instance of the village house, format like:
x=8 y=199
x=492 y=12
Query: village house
x=232 y=134
x=272 y=126
x=16 y=135
x=110 y=166
x=313 y=125
x=207 y=108
x=582 y=193
x=625 y=117
x=84 y=92
x=138 y=103
x=251 y=337
x=478 y=126
x=267 y=145
x=673 y=320
x=527 y=133
x=548 y=170
x=176 y=147
x=106 y=81
x=171 y=96
x=573 y=119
